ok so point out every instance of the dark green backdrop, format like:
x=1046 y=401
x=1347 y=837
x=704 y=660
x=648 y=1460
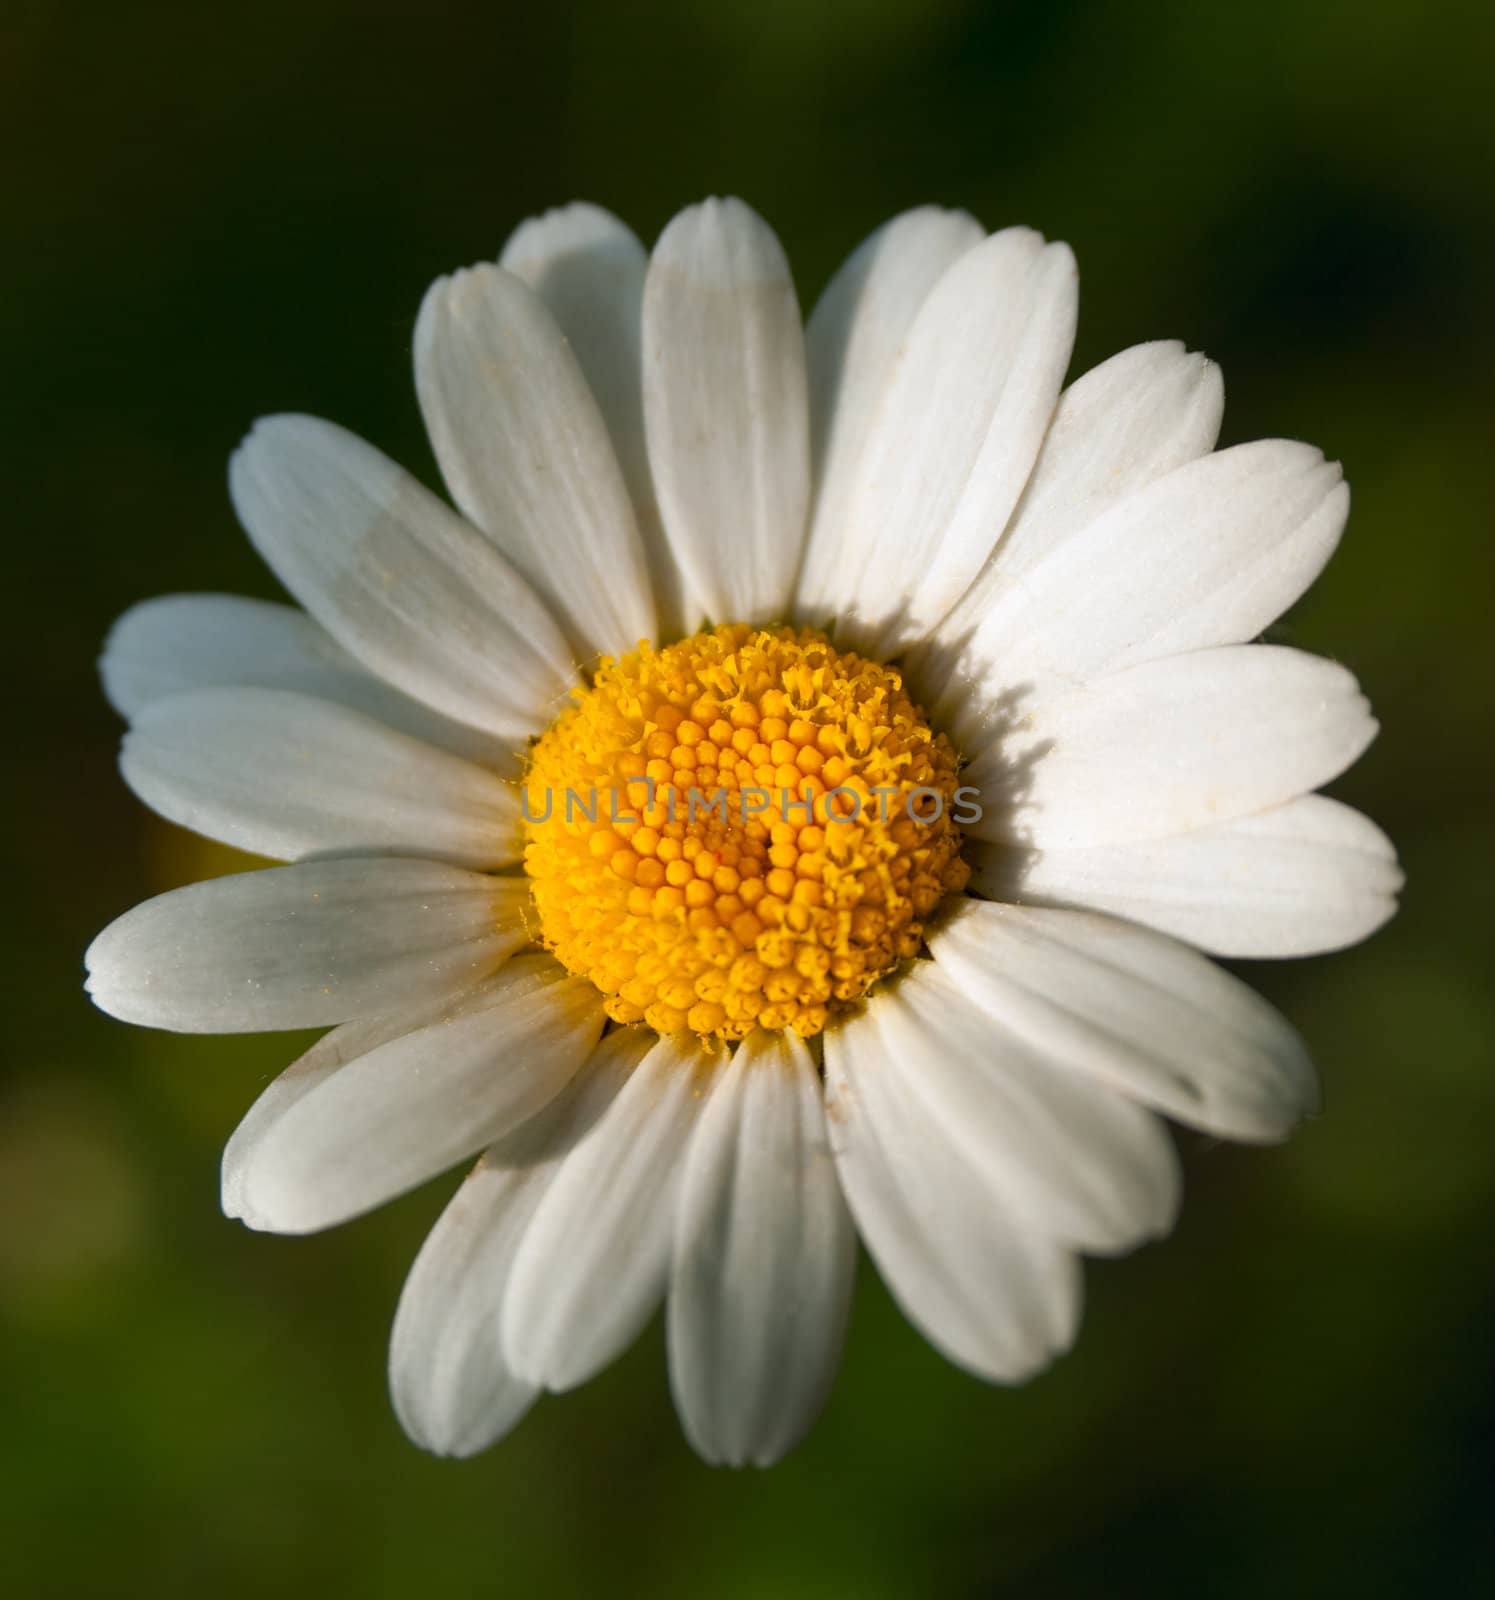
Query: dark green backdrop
x=210 y=211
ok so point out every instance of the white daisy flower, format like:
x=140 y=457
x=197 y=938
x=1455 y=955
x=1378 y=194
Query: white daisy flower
x=786 y=800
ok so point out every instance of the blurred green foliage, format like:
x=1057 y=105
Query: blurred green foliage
x=210 y=212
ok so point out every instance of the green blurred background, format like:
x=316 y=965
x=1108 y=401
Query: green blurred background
x=214 y=211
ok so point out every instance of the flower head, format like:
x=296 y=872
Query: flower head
x=792 y=796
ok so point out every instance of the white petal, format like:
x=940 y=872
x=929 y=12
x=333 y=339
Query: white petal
x=304 y=946
x=1134 y=1010
x=1125 y=423
x=526 y=454
x=208 y=641
x=448 y=1382
x=957 y=434
x=333 y=1050
x=1130 y=420
x=594 y=1261
x=1302 y=878
x=452 y=1390
x=416 y=593
x=1170 y=746
x=285 y=776
x=1207 y=555
x=988 y=1288
x=409 y=1108
x=852 y=343
x=1077 y=1159
x=588 y=268
x=726 y=408
x=761 y=1280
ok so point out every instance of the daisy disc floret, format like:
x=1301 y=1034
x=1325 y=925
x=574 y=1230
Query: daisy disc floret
x=745 y=829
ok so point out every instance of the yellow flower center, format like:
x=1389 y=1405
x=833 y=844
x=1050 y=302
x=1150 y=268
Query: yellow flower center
x=746 y=829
